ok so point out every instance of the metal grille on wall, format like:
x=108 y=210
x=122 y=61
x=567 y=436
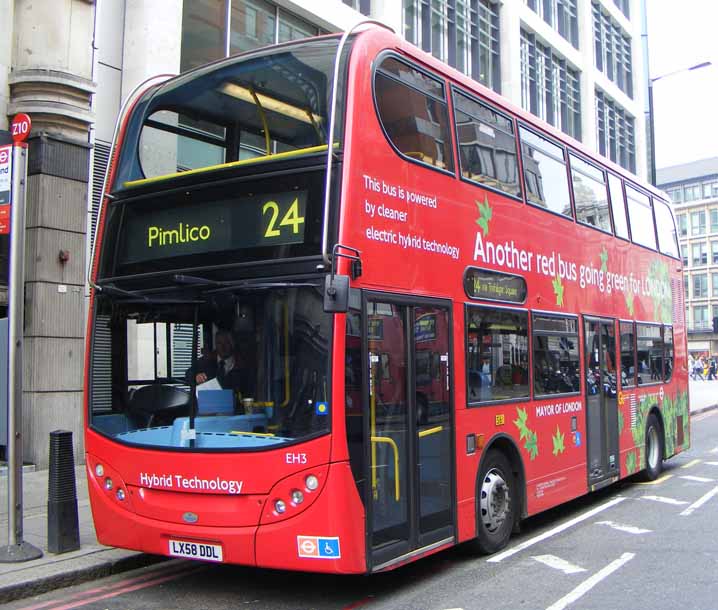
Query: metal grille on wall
x=99 y=167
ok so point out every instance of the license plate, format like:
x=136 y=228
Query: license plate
x=195 y=550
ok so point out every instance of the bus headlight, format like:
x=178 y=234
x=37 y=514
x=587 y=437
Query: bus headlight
x=297 y=497
x=280 y=506
x=108 y=484
x=99 y=470
x=311 y=482
x=120 y=494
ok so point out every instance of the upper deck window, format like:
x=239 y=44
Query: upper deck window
x=487 y=145
x=545 y=173
x=641 y=217
x=667 y=239
x=273 y=101
x=412 y=110
x=618 y=206
x=589 y=194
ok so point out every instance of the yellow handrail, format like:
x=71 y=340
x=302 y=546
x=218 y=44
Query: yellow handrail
x=430 y=431
x=390 y=441
x=282 y=155
x=263 y=118
x=243 y=432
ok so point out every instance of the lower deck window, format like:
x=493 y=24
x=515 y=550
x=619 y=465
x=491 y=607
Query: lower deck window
x=496 y=354
x=556 y=361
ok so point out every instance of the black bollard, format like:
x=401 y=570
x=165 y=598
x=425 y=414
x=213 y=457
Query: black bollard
x=63 y=532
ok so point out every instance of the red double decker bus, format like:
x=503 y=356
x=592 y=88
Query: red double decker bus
x=351 y=308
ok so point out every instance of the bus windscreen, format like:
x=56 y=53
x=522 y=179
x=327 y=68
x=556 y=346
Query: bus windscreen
x=268 y=105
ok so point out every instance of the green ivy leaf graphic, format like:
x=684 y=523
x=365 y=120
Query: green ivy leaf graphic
x=631 y=463
x=661 y=295
x=558 y=446
x=532 y=445
x=604 y=259
x=558 y=290
x=621 y=422
x=485 y=213
x=520 y=423
x=629 y=302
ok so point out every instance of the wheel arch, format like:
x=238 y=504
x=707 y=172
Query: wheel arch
x=506 y=445
x=654 y=410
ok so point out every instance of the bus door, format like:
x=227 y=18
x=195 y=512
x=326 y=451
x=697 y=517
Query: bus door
x=408 y=429
x=601 y=402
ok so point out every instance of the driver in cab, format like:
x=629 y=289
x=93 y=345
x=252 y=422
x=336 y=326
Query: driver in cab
x=222 y=364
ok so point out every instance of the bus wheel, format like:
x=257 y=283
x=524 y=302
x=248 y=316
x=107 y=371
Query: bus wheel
x=654 y=449
x=497 y=506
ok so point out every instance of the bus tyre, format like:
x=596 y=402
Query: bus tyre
x=496 y=503
x=654 y=449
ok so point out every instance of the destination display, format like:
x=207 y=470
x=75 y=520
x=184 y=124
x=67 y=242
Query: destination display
x=494 y=285
x=270 y=219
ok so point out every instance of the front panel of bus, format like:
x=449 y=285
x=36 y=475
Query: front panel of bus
x=209 y=388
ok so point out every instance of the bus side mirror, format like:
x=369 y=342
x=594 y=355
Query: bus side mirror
x=336 y=293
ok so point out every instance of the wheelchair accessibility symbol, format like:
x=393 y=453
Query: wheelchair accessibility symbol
x=318 y=547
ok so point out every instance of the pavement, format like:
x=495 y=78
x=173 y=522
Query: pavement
x=93 y=560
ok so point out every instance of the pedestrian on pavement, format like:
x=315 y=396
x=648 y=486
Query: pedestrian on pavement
x=712 y=369
x=698 y=370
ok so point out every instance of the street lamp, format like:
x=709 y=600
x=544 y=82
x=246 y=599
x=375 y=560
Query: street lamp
x=651 y=118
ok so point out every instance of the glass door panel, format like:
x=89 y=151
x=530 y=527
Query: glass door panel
x=388 y=423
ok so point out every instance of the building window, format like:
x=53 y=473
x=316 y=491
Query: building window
x=496 y=354
x=698 y=223
x=682 y=225
x=676 y=195
x=684 y=254
x=698 y=254
x=560 y=15
x=363 y=6
x=700 y=286
x=613 y=50
x=203 y=33
x=623 y=6
x=616 y=133
x=714 y=252
x=714 y=220
x=700 y=317
x=692 y=192
x=463 y=33
x=714 y=285
x=555 y=361
x=207 y=36
x=550 y=86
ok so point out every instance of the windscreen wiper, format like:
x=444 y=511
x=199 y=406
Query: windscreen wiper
x=132 y=296
x=219 y=286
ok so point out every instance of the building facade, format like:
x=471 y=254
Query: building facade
x=693 y=188
x=578 y=64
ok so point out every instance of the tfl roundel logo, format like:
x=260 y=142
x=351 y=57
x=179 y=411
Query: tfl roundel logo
x=4 y=155
x=318 y=547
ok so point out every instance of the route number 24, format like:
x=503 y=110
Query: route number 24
x=291 y=218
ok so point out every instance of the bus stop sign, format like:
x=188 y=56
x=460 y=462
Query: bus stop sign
x=20 y=127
